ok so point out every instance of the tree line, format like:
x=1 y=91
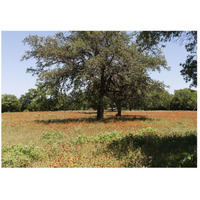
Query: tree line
x=40 y=100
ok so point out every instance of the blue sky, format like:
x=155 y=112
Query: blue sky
x=16 y=81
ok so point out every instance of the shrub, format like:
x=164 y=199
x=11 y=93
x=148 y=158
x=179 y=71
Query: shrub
x=20 y=155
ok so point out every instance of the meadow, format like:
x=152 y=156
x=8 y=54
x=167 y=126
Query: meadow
x=76 y=139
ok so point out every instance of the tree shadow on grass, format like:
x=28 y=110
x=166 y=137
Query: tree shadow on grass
x=154 y=151
x=130 y=118
x=93 y=120
x=88 y=113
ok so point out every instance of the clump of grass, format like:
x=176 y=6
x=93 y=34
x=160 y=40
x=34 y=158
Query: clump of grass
x=52 y=137
x=107 y=137
x=148 y=130
x=81 y=139
x=20 y=155
x=102 y=137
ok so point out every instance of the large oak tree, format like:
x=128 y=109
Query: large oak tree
x=102 y=61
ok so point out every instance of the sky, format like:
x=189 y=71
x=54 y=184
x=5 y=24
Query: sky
x=16 y=81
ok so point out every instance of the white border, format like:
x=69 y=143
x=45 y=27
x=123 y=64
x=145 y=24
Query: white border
x=99 y=183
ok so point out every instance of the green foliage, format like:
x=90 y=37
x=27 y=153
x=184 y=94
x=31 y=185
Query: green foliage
x=184 y=99
x=27 y=99
x=103 y=63
x=153 y=96
x=149 y=148
x=20 y=155
x=157 y=98
x=105 y=137
x=81 y=139
x=10 y=103
x=52 y=137
x=43 y=99
x=149 y=40
x=77 y=100
x=189 y=70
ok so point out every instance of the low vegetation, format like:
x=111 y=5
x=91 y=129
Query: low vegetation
x=20 y=155
x=77 y=139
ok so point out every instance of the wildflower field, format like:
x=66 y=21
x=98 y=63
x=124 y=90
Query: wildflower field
x=77 y=139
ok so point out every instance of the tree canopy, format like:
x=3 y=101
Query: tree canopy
x=10 y=103
x=105 y=62
x=149 y=40
x=184 y=99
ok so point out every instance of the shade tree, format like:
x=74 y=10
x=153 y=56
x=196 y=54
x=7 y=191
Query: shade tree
x=10 y=103
x=91 y=61
x=184 y=99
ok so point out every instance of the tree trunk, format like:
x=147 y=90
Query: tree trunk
x=100 y=110
x=119 y=110
x=100 y=113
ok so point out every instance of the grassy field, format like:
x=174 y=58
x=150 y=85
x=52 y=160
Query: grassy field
x=76 y=139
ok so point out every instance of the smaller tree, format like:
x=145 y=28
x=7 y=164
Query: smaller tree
x=184 y=99
x=157 y=98
x=10 y=103
x=27 y=98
